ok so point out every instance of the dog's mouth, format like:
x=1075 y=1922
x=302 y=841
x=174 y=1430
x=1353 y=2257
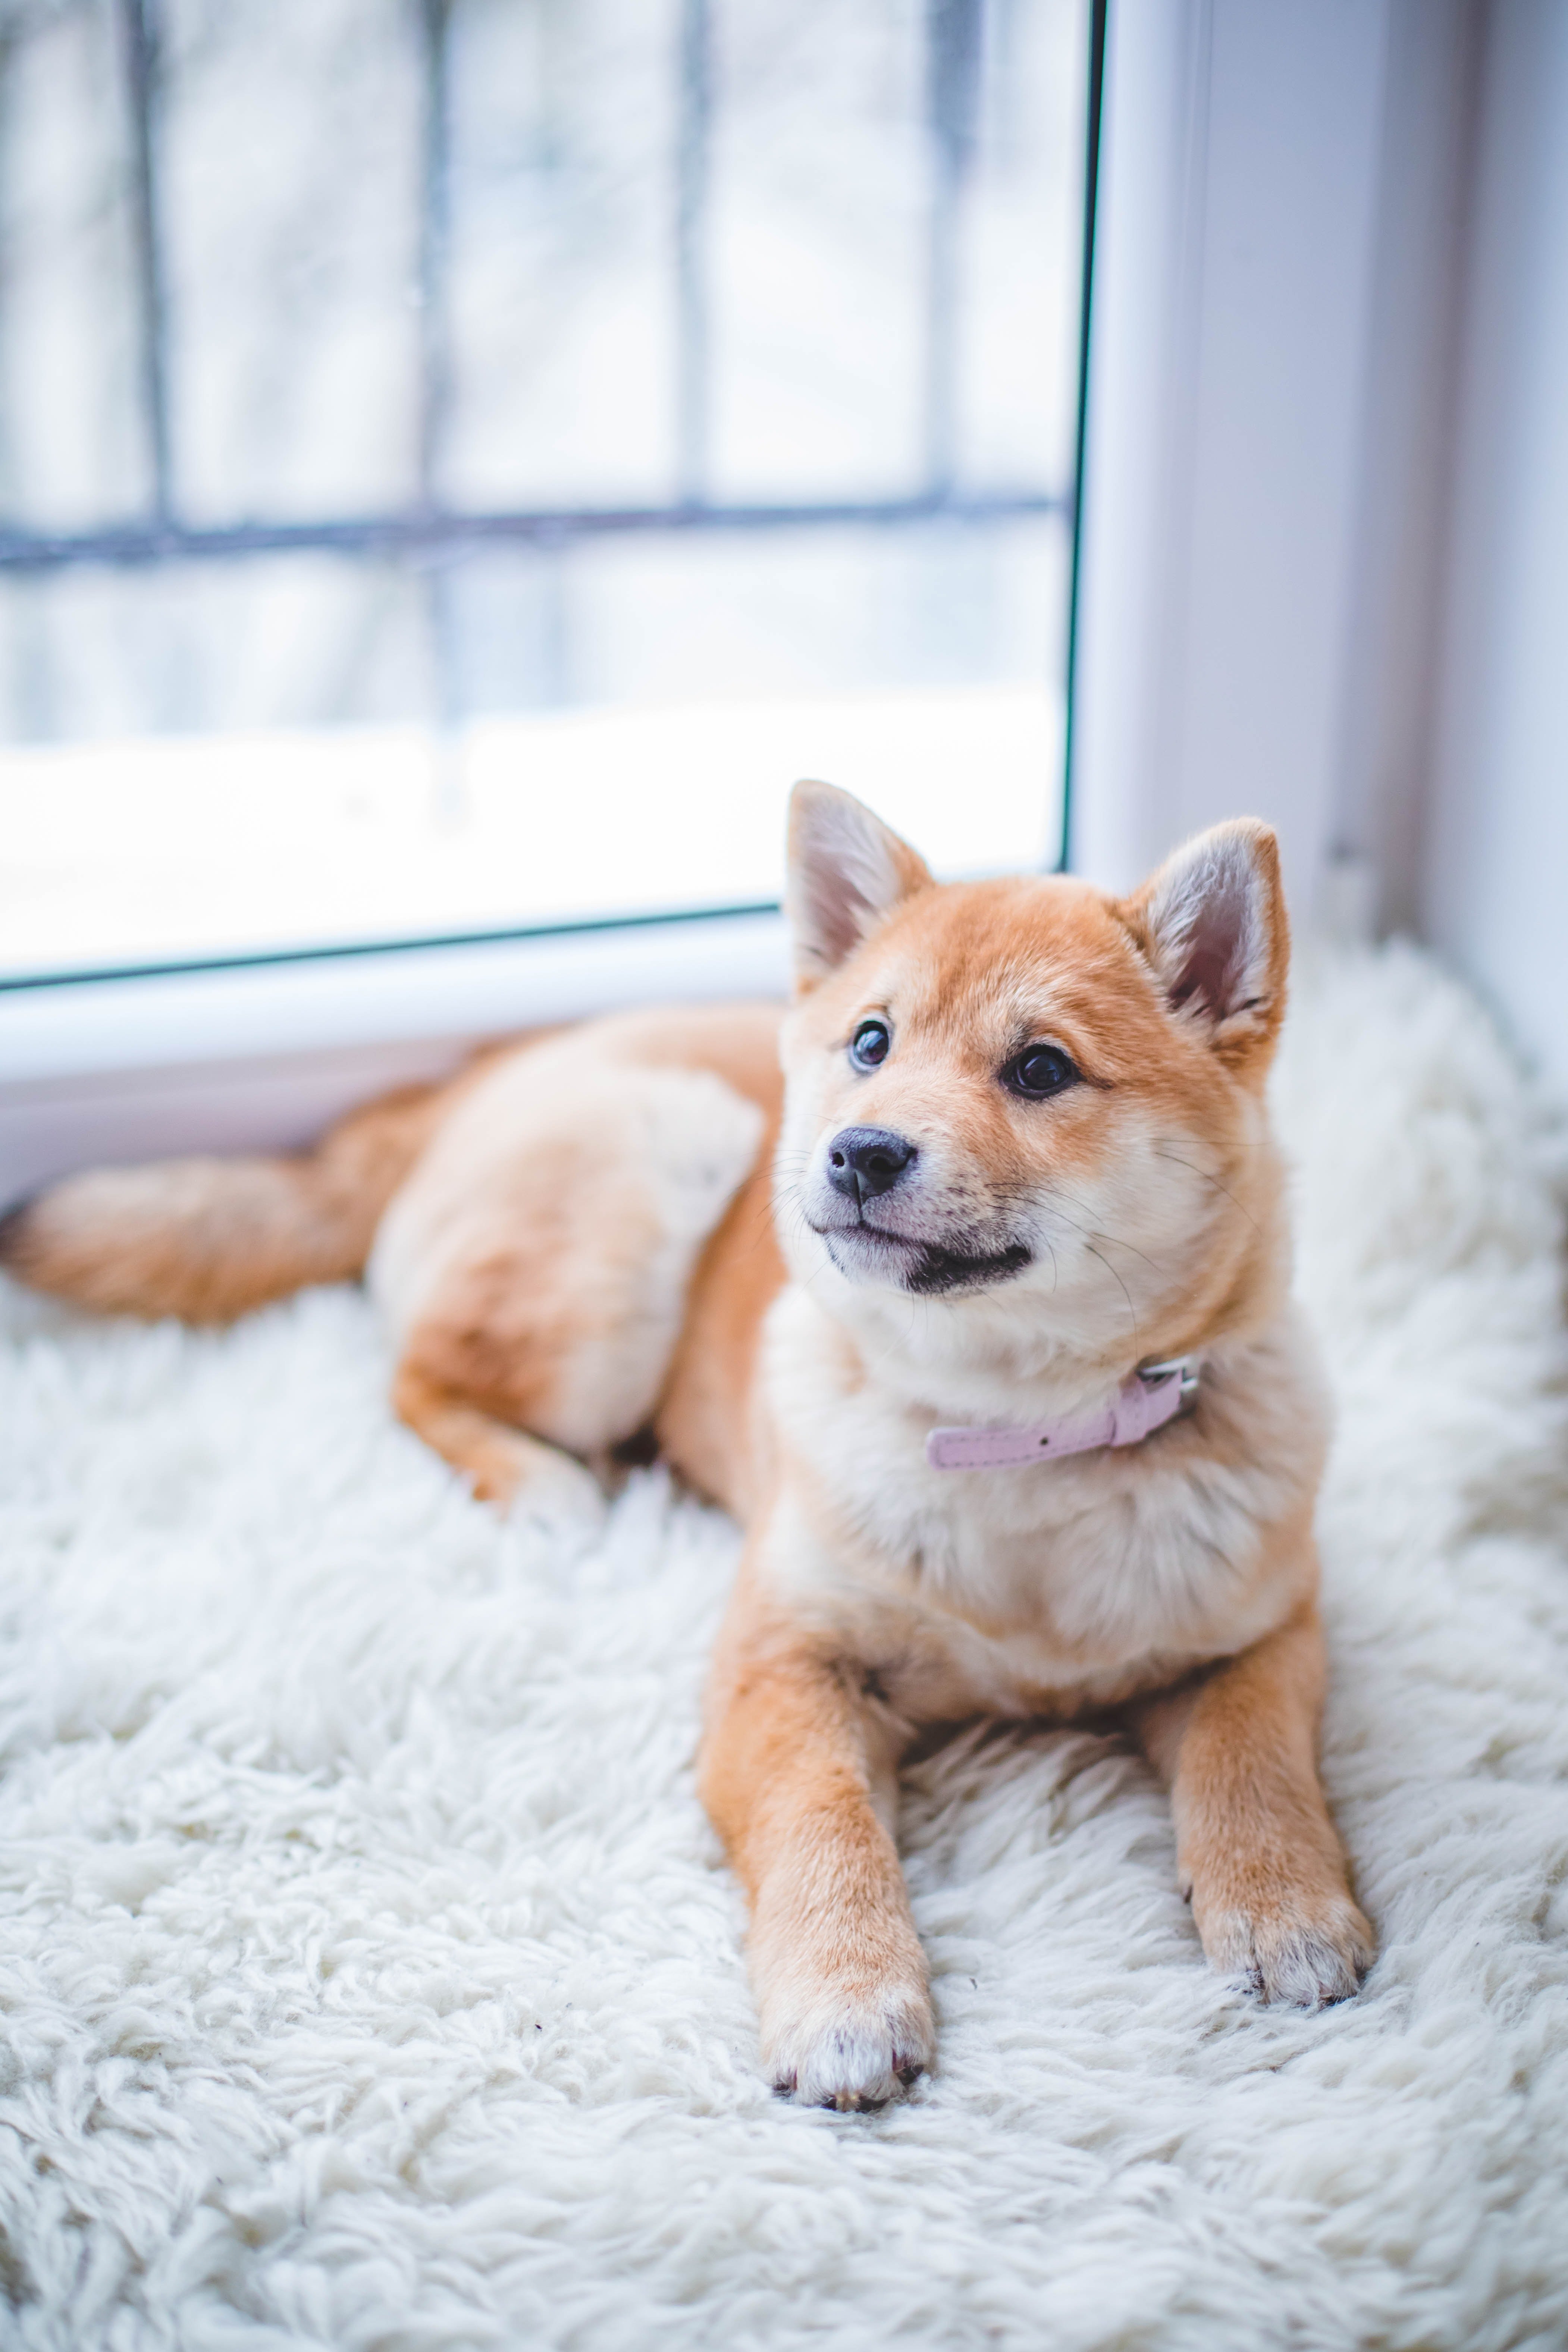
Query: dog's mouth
x=870 y=1253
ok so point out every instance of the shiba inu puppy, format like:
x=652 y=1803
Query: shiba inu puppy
x=963 y=1283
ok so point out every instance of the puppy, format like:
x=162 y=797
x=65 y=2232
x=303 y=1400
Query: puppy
x=979 y=1320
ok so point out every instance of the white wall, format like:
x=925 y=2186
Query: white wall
x=1404 y=493
x=1241 y=183
x=1497 y=832
x=1326 y=523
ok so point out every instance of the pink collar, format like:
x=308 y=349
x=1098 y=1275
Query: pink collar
x=1155 y=1394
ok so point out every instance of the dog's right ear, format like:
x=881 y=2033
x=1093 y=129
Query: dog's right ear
x=847 y=870
x=1212 y=923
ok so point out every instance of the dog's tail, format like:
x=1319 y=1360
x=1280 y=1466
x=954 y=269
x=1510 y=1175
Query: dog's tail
x=205 y=1239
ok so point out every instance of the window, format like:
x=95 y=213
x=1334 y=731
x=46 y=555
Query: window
x=459 y=461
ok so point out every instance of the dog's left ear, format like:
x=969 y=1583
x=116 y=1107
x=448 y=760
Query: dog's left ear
x=1212 y=923
x=847 y=870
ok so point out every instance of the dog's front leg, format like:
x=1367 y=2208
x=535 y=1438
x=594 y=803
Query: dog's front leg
x=798 y=1776
x=1255 y=1845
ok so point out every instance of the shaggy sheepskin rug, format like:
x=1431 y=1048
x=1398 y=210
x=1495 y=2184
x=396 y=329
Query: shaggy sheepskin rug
x=371 y=1976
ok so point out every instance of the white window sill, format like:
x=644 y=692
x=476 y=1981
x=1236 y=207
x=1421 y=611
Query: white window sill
x=262 y=1057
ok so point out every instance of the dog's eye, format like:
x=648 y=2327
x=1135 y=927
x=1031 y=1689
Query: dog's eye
x=1040 y=1070
x=869 y=1044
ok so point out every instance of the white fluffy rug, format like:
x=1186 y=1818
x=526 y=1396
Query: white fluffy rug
x=371 y=1978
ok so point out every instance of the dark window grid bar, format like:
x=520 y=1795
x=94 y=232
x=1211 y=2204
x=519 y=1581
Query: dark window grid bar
x=695 y=103
x=953 y=33
x=434 y=226
x=142 y=46
x=436 y=387
x=444 y=536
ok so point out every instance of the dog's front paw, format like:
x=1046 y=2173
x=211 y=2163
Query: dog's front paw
x=1297 y=1945
x=850 y=2045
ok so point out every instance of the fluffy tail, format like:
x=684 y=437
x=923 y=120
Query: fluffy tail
x=205 y=1239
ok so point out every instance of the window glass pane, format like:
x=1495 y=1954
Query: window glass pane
x=102 y=653
x=289 y=147
x=583 y=416
x=560 y=292
x=1018 y=343
x=682 y=617
x=821 y=194
x=72 y=451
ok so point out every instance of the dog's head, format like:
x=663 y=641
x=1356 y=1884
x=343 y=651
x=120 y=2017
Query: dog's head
x=1025 y=1095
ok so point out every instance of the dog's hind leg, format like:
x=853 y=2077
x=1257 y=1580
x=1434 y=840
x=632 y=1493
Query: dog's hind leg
x=535 y=1267
x=499 y=1464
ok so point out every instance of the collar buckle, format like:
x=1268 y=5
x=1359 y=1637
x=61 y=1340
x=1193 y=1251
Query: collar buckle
x=1187 y=1370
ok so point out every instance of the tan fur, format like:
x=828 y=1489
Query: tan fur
x=494 y=1458
x=632 y=1224
x=1257 y=1852
x=537 y=1263
x=208 y=1239
x=797 y=1775
x=707 y=1420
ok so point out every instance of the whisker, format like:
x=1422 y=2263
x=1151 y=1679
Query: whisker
x=1091 y=1234
x=1126 y=1293
x=1162 y=1153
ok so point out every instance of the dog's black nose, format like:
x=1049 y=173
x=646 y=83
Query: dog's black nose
x=865 y=1160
